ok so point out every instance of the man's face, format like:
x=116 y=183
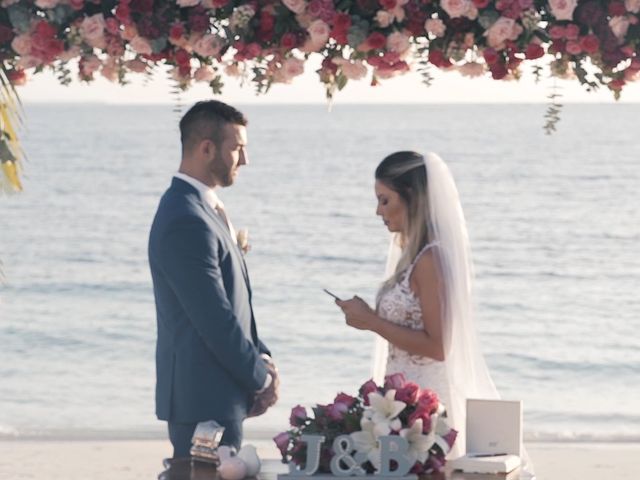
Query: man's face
x=230 y=155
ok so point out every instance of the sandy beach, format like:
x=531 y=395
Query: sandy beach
x=141 y=459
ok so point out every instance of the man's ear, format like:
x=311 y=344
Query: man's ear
x=207 y=148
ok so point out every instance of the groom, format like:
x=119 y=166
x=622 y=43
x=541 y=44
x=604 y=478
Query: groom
x=210 y=363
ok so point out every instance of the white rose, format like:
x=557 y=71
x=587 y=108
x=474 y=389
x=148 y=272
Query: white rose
x=503 y=29
x=296 y=6
x=398 y=42
x=563 y=9
x=632 y=6
x=619 y=26
x=435 y=26
x=455 y=8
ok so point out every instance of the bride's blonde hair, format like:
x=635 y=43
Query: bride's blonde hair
x=406 y=174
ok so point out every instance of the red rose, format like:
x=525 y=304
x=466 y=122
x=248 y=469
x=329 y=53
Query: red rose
x=559 y=46
x=408 y=394
x=76 y=4
x=376 y=41
x=298 y=416
x=490 y=56
x=289 y=41
x=557 y=32
x=534 y=51
x=6 y=34
x=590 y=43
x=176 y=31
x=388 y=4
x=617 y=8
x=182 y=57
x=341 y=21
x=498 y=71
x=480 y=3
x=17 y=77
x=199 y=23
x=141 y=6
x=437 y=58
x=367 y=388
x=343 y=398
x=123 y=12
x=220 y=3
x=45 y=29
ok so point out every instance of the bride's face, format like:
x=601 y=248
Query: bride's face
x=391 y=207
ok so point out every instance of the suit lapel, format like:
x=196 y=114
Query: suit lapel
x=233 y=245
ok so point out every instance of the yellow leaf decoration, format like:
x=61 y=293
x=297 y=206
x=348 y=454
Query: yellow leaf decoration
x=10 y=170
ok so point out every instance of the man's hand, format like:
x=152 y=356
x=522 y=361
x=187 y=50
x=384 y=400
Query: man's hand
x=269 y=396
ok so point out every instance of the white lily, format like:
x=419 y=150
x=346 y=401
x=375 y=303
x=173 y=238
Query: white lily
x=384 y=411
x=366 y=442
x=419 y=444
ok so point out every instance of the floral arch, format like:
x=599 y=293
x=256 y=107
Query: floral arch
x=263 y=42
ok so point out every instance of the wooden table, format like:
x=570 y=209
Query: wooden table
x=185 y=470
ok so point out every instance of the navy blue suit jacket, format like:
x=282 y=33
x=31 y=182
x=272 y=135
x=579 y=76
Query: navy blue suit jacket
x=208 y=364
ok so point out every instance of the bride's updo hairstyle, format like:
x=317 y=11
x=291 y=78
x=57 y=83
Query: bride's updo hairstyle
x=406 y=174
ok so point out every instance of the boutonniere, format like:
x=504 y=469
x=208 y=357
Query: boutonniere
x=242 y=239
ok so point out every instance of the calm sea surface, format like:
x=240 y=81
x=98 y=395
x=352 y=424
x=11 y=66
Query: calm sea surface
x=554 y=223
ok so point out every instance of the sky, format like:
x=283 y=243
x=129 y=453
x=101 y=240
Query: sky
x=448 y=87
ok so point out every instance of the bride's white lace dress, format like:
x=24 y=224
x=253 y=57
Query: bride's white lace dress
x=401 y=306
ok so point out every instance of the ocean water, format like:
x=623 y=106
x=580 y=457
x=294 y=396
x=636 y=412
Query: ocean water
x=554 y=224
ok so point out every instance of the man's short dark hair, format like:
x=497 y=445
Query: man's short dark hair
x=206 y=120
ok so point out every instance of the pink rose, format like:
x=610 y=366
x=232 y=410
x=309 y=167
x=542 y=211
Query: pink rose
x=632 y=6
x=408 y=394
x=398 y=42
x=502 y=30
x=368 y=387
x=394 y=381
x=293 y=67
x=298 y=416
x=282 y=442
x=47 y=3
x=572 y=31
x=204 y=74
x=89 y=64
x=354 y=71
x=619 y=27
x=471 y=69
x=208 y=46
x=92 y=30
x=384 y=18
x=573 y=47
x=136 y=65
x=110 y=72
x=336 y=411
x=70 y=54
x=296 y=6
x=456 y=8
x=76 y=4
x=22 y=44
x=187 y=3
x=421 y=415
x=435 y=26
x=563 y=9
x=319 y=33
x=232 y=70
x=428 y=401
x=141 y=45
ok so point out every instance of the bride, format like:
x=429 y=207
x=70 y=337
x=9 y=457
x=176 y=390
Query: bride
x=424 y=319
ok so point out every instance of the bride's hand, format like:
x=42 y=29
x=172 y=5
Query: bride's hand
x=357 y=313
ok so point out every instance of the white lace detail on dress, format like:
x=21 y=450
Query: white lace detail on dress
x=400 y=305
